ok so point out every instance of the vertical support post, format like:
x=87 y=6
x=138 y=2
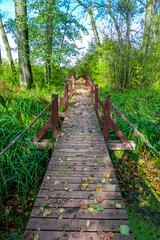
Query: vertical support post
x=55 y=116
x=71 y=88
x=106 y=121
x=89 y=84
x=66 y=97
x=86 y=80
x=96 y=98
x=92 y=90
x=74 y=82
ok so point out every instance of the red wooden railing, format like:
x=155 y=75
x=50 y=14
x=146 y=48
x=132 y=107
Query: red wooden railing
x=93 y=89
x=56 y=104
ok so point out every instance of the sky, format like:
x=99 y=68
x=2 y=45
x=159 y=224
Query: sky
x=7 y=8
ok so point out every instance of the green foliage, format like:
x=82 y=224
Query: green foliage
x=23 y=165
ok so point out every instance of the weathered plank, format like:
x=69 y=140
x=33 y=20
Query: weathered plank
x=48 y=235
x=40 y=202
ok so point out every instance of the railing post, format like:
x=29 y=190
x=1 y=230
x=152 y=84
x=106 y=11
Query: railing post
x=96 y=98
x=106 y=121
x=89 y=84
x=86 y=80
x=71 y=88
x=74 y=82
x=92 y=90
x=55 y=116
x=66 y=97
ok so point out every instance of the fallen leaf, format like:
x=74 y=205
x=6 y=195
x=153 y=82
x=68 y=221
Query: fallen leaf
x=124 y=229
x=56 y=182
x=91 y=195
x=100 y=208
x=37 y=211
x=100 y=200
x=108 y=175
x=61 y=210
x=36 y=237
x=46 y=213
x=118 y=205
x=38 y=229
x=88 y=223
x=85 y=185
x=61 y=216
x=51 y=190
x=112 y=202
x=66 y=188
x=41 y=208
x=103 y=180
x=90 y=178
x=48 y=177
x=98 y=190
x=46 y=198
x=91 y=209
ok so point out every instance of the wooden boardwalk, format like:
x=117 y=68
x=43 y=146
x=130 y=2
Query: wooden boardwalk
x=78 y=197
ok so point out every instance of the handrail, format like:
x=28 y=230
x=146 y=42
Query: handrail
x=20 y=135
x=101 y=91
x=135 y=130
x=31 y=124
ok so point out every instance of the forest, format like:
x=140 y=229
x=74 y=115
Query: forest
x=123 y=58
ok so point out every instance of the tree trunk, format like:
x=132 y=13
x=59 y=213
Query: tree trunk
x=147 y=25
x=6 y=44
x=90 y=12
x=48 y=52
x=25 y=74
x=116 y=24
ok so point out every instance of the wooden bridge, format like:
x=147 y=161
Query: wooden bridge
x=80 y=197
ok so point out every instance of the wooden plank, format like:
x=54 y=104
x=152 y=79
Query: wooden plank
x=80 y=174
x=69 y=167
x=77 y=187
x=76 y=225
x=48 y=235
x=69 y=213
x=40 y=202
x=114 y=145
x=76 y=179
x=80 y=194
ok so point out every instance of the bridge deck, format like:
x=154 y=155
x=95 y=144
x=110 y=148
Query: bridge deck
x=66 y=207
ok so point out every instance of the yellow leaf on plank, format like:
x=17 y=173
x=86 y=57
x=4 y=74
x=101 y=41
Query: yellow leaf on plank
x=90 y=178
x=48 y=177
x=108 y=174
x=61 y=210
x=85 y=185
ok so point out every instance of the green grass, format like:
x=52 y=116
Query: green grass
x=23 y=166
